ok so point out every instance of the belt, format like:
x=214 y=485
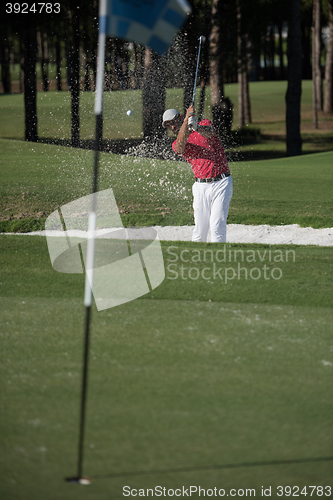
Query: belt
x=213 y=179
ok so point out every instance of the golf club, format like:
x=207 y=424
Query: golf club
x=201 y=39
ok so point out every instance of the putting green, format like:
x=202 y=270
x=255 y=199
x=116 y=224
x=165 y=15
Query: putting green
x=218 y=385
x=204 y=384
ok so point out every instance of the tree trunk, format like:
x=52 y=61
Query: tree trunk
x=244 y=108
x=316 y=72
x=241 y=115
x=216 y=69
x=306 y=32
x=294 y=90
x=5 y=64
x=86 y=66
x=153 y=95
x=94 y=65
x=68 y=62
x=118 y=64
x=138 y=66
x=21 y=66
x=43 y=58
x=272 y=52
x=147 y=107
x=30 y=89
x=318 y=47
x=240 y=71
x=107 y=67
x=328 y=104
x=247 y=102
x=75 y=78
x=281 y=51
x=222 y=112
x=46 y=62
x=58 y=63
x=85 y=54
x=264 y=44
x=113 y=65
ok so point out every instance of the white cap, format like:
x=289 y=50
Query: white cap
x=169 y=115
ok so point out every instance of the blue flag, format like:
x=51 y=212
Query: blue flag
x=148 y=22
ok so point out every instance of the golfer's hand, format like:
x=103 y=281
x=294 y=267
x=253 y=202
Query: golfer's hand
x=192 y=123
x=190 y=112
x=184 y=132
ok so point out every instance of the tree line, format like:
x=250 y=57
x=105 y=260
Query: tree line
x=246 y=40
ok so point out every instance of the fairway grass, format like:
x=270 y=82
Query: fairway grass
x=36 y=179
x=268 y=110
x=200 y=382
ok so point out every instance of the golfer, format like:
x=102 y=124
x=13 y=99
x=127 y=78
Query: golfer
x=212 y=190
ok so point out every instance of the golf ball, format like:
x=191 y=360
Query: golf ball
x=129 y=112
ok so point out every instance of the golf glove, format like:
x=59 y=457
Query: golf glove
x=192 y=124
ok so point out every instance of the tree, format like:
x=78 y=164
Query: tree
x=153 y=95
x=58 y=62
x=306 y=35
x=30 y=83
x=5 y=63
x=44 y=58
x=328 y=103
x=282 y=71
x=89 y=42
x=74 y=56
x=294 y=90
x=216 y=71
x=244 y=107
x=316 y=71
x=221 y=106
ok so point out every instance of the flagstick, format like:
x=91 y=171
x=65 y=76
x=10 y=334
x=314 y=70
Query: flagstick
x=103 y=29
x=91 y=245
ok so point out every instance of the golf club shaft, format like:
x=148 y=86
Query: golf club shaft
x=196 y=73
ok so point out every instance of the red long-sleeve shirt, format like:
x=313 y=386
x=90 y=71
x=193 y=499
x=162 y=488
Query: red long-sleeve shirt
x=205 y=154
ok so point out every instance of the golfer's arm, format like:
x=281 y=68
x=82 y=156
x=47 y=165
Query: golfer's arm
x=182 y=138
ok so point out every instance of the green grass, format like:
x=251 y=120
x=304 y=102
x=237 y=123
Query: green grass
x=52 y=72
x=284 y=191
x=54 y=115
x=210 y=377
x=267 y=102
x=37 y=178
x=295 y=275
x=214 y=379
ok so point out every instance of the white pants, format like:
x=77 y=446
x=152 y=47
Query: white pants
x=211 y=204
